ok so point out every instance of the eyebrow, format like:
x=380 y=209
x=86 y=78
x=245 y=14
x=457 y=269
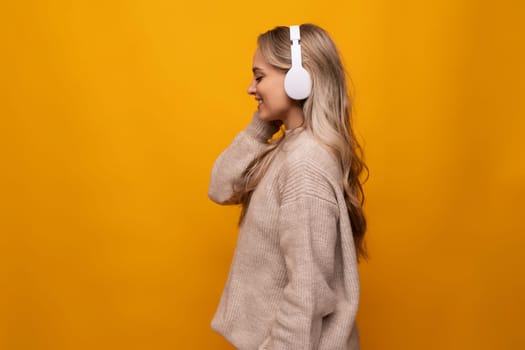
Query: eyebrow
x=254 y=69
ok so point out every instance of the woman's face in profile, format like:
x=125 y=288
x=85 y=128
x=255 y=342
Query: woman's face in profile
x=267 y=87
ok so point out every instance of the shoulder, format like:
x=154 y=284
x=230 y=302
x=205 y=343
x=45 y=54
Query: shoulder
x=309 y=169
x=304 y=151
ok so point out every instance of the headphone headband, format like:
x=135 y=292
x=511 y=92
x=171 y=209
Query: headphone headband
x=295 y=33
x=295 y=37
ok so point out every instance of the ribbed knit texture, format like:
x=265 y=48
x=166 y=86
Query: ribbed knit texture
x=293 y=283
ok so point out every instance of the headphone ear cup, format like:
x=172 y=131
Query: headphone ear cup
x=297 y=83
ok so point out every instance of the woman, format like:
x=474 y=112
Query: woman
x=293 y=282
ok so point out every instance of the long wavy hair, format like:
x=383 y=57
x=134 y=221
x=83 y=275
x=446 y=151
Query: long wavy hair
x=327 y=114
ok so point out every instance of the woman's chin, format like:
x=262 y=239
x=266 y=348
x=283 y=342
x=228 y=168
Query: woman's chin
x=265 y=117
x=262 y=116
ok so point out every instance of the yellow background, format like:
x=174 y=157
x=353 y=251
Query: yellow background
x=112 y=113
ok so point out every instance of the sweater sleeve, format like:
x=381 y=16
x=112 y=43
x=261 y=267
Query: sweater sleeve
x=308 y=227
x=232 y=162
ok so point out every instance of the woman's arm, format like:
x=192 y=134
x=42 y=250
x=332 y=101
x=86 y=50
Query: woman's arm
x=232 y=162
x=308 y=230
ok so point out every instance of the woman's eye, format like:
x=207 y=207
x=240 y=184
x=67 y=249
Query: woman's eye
x=258 y=79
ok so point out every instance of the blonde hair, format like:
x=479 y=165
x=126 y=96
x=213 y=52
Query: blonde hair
x=327 y=113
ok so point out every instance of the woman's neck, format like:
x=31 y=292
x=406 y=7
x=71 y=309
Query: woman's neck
x=294 y=119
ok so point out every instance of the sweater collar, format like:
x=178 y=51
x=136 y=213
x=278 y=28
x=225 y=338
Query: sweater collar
x=290 y=132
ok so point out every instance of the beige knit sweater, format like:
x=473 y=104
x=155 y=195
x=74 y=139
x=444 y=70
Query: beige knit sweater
x=293 y=283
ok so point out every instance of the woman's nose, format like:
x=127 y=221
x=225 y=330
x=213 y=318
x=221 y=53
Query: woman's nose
x=251 y=88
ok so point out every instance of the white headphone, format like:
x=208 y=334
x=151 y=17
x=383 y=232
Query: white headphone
x=297 y=82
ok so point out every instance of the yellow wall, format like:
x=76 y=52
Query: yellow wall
x=112 y=113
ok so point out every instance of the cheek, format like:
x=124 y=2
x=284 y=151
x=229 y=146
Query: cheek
x=280 y=98
x=274 y=84
x=277 y=94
